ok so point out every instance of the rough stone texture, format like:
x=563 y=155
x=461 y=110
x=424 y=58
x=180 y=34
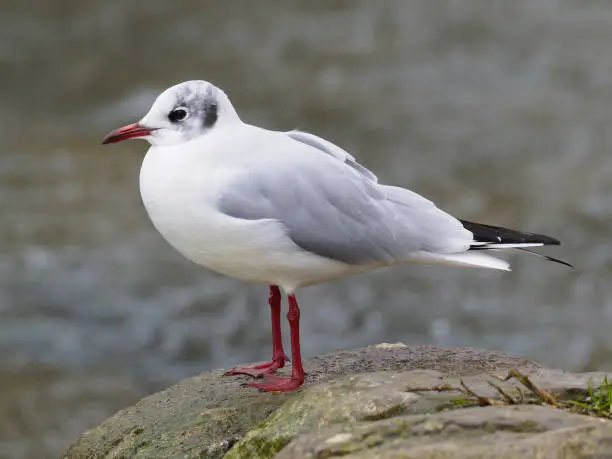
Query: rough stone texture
x=375 y=396
x=499 y=432
x=208 y=415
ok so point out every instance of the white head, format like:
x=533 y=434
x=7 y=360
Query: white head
x=179 y=114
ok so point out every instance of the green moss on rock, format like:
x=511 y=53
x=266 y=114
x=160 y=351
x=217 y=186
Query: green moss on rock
x=503 y=432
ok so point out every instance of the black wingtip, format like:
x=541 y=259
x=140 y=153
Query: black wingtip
x=547 y=240
x=500 y=235
x=561 y=262
x=546 y=257
x=490 y=236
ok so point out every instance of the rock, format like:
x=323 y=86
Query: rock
x=499 y=432
x=351 y=400
x=207 y=416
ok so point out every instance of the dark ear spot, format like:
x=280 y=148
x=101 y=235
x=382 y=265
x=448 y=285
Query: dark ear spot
x=210 y=114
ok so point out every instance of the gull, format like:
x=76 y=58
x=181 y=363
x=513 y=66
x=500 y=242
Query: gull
x=287 y=209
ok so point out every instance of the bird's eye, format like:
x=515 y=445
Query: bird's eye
x=178 y=114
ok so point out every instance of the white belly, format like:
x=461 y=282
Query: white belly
x=179 y=198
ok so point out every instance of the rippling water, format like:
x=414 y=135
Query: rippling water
x=499 y=111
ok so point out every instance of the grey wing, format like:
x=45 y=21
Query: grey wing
x=331 y=149
x=328 y=209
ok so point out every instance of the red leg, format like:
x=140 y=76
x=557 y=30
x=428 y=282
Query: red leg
x=283 y=383
x=278 y=354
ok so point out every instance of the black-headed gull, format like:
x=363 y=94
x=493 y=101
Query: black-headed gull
x=288 y=209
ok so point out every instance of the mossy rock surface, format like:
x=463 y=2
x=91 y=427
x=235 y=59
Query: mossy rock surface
x=211 y=416
x=500 y=432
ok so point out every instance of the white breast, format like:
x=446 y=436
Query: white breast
x=178 y=190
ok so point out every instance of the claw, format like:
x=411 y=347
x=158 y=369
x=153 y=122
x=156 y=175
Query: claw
x=273 y=383
x=258 y=371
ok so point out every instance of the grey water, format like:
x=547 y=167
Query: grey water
x=501 y=112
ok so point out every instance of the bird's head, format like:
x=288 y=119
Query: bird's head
x=179 y=114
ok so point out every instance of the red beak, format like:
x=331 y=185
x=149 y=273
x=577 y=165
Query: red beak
x=126 y=132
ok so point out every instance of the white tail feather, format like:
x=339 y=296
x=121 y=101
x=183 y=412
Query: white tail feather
x=467 y=259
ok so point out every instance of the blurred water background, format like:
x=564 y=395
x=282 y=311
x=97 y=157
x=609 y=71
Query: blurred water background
x=500 y=111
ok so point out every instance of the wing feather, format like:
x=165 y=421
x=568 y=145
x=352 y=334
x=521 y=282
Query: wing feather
x=335 y=210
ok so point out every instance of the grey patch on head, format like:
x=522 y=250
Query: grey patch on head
x=201 y=105
x=210 y=109
x=187 y=95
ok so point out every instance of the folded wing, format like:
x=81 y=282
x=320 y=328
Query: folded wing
x=336 y=210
